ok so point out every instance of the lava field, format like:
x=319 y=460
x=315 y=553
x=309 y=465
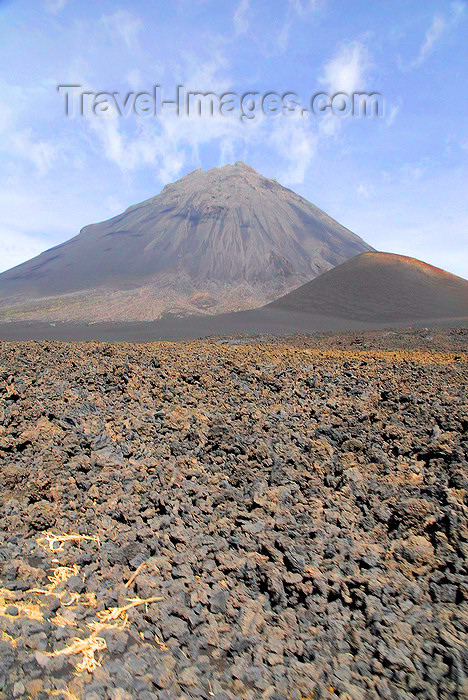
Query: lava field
x=249 y=517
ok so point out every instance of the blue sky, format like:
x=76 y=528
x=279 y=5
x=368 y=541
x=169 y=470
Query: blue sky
x=398 y=181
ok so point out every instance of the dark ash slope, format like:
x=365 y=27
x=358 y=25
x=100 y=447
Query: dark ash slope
x=381 y=287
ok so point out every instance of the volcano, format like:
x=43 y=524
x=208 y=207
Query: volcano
x=220 y=240
x=381 y=288
x=371 y=291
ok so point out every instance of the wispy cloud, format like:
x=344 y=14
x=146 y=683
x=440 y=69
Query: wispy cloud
x=363 y=190
x=53 y=7
x=40 y=153
x=170 y=143
x=438 y=28
x=433 y=34
x=135 y=79
x=414 y=171
x=304 y=7
x=167 y=145
x=390 y=119
x=210 y=73
x=296 y=142
x=295 y=10
x=345 y=72
x=125 y=26
x=284 y=33
x=241 y=17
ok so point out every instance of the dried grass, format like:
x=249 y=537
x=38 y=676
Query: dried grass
x=68 y=695
x=135 y=574
x=8 y=638
x=61 y=621
x=98 y=627
x=160 y=644
x=114 y=613
x=74 y=597
x=49 y=539
x=6 y=593
x=26 y=608
x=91 y=600
x=110 y=618
x=63 y=573
x=87 y=647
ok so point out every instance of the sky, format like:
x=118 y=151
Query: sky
x=398 y=180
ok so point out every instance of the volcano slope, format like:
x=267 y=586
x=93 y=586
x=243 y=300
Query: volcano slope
x=373 y=290
x=215 y=241
x=381 y=288
x=235 y=519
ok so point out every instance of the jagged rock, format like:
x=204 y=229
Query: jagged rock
x=298 y=535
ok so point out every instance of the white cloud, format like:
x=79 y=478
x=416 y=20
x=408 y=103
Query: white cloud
x=17 y=246
x=6 y=116
x=18 y=102
x=207 y=75
x=166 y=144
x=434 y=32
x=41 y=154
x=437 y=29
x=413 y=171
x=295 y=10
x=53 y=7
x=408 y=173
x=392 y=116
x=134 y=79
x=241 y=17
x=39 y=212
x=125 y=26
x=294 y=140
x=170 y=142
x=346 y=71
x=330 y=125
x=282 y=39
x=362 y=190
x=228 y=152
x=303 y=7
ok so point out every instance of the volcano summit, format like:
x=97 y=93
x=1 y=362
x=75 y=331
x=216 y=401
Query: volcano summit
x=219 y=240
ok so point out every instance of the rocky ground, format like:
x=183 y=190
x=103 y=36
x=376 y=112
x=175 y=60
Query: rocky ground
x=235 y=518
